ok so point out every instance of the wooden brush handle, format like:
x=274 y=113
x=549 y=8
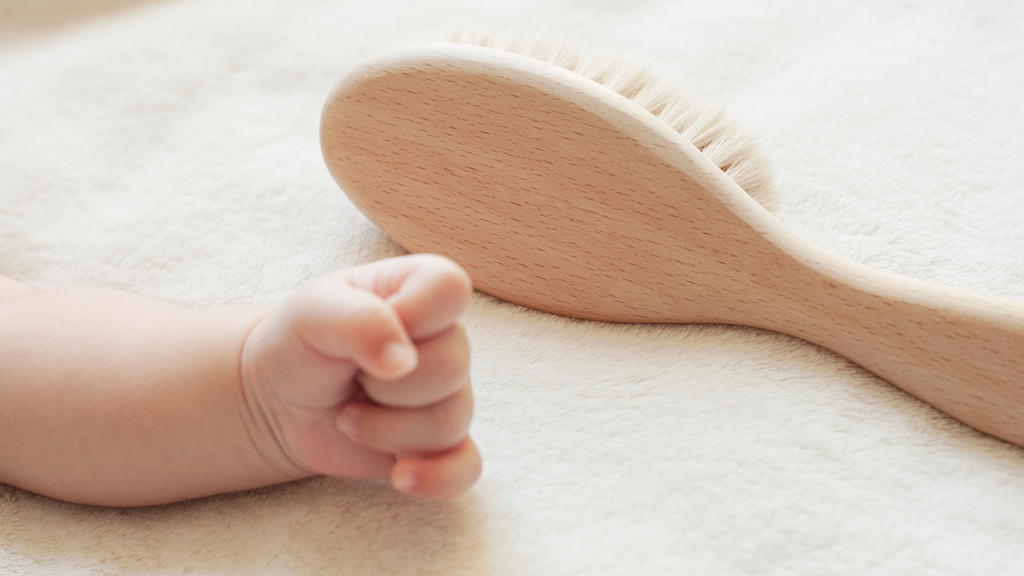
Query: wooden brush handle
x=959 y=351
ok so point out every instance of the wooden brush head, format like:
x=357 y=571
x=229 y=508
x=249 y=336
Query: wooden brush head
x=701 y=123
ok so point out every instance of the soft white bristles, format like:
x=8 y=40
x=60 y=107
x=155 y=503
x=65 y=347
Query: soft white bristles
x=703 y=124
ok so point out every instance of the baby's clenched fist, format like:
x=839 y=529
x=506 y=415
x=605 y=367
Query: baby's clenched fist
x=364 y=373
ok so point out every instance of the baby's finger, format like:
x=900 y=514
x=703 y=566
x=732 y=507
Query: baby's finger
x=442 y=370
x=428 y=292
x=438 y=476
x=340 y=321
x=398 y=430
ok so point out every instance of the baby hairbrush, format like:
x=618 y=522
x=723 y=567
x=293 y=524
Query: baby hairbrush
x=559 y=193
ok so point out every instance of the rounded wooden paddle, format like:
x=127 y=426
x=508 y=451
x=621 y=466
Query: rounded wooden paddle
x=559 y=194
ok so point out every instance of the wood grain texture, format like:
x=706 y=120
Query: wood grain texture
x=561 y=195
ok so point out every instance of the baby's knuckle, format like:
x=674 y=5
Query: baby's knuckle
x=456 y=282
x=450 y=278
x=452 y=424
x=368 y=317
x=455 y=367
x=456 y=371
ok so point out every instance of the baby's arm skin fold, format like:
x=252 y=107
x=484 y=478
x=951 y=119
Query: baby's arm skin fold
x=114 y=399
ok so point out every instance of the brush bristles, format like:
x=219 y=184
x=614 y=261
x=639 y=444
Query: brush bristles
x=703 y=124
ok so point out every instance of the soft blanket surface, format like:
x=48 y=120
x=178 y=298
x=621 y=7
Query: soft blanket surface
x=169 y=148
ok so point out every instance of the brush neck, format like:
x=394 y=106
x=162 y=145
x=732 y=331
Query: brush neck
x=956 y=350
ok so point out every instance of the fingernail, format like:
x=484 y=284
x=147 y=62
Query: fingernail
x=404 y=481
x=348 y=422
x=399 y=357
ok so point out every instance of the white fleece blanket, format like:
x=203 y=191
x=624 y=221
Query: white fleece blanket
x=169 y=147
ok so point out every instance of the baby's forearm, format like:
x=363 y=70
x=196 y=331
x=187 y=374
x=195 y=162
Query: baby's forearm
x=113 y=399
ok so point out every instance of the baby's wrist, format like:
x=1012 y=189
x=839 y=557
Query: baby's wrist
x=259 y=406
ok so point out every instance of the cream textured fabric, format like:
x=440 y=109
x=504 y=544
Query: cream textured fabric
x=170 y=148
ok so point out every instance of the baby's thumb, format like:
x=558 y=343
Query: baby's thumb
x=343 y=322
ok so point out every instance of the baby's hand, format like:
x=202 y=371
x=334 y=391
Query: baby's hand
x=365 y=373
